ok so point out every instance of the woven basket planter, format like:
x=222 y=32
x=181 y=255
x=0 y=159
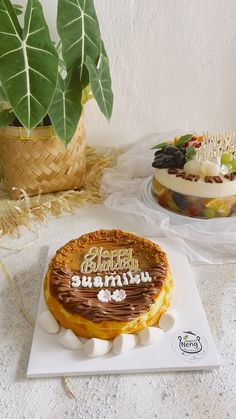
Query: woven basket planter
x=41 y=163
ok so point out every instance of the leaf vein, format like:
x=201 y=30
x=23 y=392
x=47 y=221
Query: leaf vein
x=15 y=75
x=40 y=74
x=76 y=42
x=72 y=21
x=10 y=52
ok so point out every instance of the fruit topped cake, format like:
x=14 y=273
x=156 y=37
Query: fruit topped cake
x=196 y=175
x=108 y=283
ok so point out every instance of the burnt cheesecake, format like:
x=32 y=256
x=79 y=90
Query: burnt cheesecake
x=108 y=282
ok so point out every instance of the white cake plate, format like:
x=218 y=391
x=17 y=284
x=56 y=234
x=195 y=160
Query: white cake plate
x=48 y=358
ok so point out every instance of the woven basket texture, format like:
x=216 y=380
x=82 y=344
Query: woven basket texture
x=40 y=163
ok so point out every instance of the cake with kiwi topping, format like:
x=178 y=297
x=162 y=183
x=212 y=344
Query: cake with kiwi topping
x=196 y=175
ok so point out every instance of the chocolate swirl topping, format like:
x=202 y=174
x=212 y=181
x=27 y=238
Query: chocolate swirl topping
x=83 y=301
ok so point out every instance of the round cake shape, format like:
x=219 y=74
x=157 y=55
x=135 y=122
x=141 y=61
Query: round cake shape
x=196 y=175
x=107 y=283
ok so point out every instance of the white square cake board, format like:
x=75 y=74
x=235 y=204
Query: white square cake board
x=48 y=358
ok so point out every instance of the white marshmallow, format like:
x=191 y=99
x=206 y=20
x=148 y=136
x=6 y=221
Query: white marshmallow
x=97 y=347
x=69 y=340
x=124 y=343
x=150 y=335
x=48 y=322
x=83 y=340
x=168 y=320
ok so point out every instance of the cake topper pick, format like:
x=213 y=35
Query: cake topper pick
x=214 y=145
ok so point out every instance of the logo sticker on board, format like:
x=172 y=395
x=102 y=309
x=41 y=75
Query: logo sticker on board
x=190 y=345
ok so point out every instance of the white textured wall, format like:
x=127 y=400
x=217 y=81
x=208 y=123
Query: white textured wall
x=173 y=64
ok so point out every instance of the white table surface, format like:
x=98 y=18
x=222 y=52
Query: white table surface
x=206 y=394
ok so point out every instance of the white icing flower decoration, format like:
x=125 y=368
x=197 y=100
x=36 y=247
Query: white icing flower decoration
x=118 y=295
x=104 y=296
x=224 y=170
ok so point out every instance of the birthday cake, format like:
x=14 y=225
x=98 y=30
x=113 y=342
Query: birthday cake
x=196 y=175
x=108 y=283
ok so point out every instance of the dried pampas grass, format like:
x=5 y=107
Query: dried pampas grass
x=27 y=210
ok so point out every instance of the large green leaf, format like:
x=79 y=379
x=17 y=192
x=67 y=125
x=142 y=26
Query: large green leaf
x=28 y=62
x=103 y=49
x=66 y=107
x=79 y=31
x=100 y=80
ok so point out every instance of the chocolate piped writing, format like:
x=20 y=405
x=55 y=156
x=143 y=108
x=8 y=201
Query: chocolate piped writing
x=83 y=301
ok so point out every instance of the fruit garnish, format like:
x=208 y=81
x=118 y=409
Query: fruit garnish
x=192 y=167
x=160 y=146
x=164 y=162
x=233 y=164
x=209 y=168
x=194 y=210
x=190 y=152
x=171 y=149
x=205 y=168
x=180 y=200
x=169 y=156
x=224 y=210
x=193 y=143
x=226 y=158
x=230 y=166
x=172 y=206
x=183 y=139
x=221 y=206
x=163 y=201
x=209 y=213
x=159 y=189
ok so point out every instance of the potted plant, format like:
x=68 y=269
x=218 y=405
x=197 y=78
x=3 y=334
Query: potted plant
x=43 y=89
